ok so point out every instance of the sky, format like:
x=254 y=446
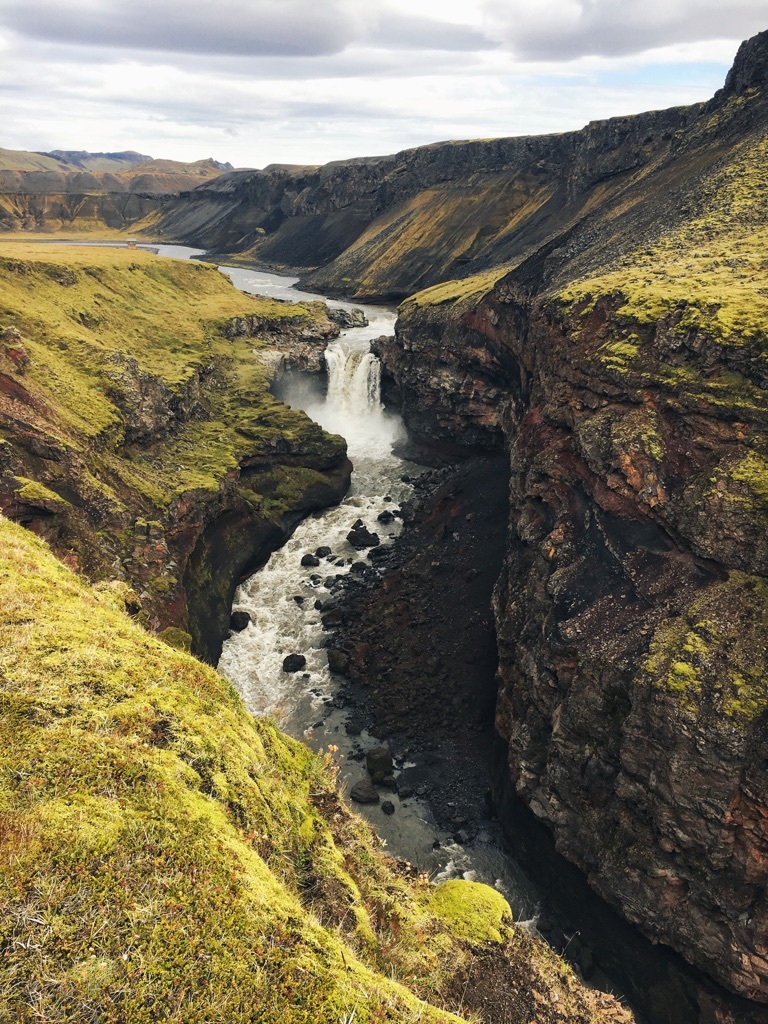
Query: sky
x=255 y=82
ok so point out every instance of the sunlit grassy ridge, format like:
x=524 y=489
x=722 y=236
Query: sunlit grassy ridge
x=155 y=839
x=463 y=293
x=164 y=856
x=710 y=273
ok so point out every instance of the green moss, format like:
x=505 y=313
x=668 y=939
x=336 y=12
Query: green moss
x=713 y=657
x=752 y=471
x=177 y=638
x=472 y=911
x=703 y=277
x=460 y=291
x=32 y=491
x=166 y=856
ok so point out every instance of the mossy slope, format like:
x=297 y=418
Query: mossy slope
x=164 y=856
x=142 y=415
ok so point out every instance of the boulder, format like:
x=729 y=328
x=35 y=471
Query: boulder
x=294 y=663
x=361 y=537
x=323 y=552
x=310 y=560
x=388 y=807
x=338 y=661
x=378 y=761
x=364 y=792
x=347 y=318
x=238 y=621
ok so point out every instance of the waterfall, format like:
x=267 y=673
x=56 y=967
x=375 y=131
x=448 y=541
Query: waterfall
x=354 y=380
x=352 y=405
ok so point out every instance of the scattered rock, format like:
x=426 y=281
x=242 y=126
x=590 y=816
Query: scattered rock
x=388 y=807
x=361 y=537
x=385 y=517
x=14 y=349
x=333 y=618
x=378 y=761
x=298 y=599
x=310 y=560
x=294 y=663
x=347 y=318
x=323 y=552
x=338 y=660
x=364 y=792
x=238 y=621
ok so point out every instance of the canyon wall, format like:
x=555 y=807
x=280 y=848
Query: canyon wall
x=84 y=192
x=628 y=380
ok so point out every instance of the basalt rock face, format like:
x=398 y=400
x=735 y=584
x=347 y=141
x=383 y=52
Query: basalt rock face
x=632 y=612
x=387 y=226
x=632 y=650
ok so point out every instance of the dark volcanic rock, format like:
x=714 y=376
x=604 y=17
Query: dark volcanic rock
x=239 y=620
x=360 y=537
x=309 y=560
x=338 y=660
x=364 y=792
x=347 y=318
x=378 y=761
x=294 y=663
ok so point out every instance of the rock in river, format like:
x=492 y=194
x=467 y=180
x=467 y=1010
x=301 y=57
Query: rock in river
x=364 y=792
x=294 y=663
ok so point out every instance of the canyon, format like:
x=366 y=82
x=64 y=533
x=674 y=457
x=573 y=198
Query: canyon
x=591 y=306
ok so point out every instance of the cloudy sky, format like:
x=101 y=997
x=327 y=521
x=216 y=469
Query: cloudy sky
x=255 y=82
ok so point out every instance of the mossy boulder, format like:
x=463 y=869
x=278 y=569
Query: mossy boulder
x=472 y=910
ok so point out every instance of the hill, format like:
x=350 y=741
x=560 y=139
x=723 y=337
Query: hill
x=90 y=192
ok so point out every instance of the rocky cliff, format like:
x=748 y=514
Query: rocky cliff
x=623 y=364
x=388 y=226
x=137 y=431
x=164 y=855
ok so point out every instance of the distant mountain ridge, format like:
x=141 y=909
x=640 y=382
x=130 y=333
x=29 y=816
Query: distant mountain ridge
x=82 y=160
x=75 y=190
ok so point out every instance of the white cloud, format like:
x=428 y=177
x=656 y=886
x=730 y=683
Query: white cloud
x=271 y=81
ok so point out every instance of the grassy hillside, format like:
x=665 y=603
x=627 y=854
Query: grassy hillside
x=128 y=398
x=164 y=856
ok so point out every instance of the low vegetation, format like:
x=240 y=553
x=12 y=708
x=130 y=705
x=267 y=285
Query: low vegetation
x=167 y=857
